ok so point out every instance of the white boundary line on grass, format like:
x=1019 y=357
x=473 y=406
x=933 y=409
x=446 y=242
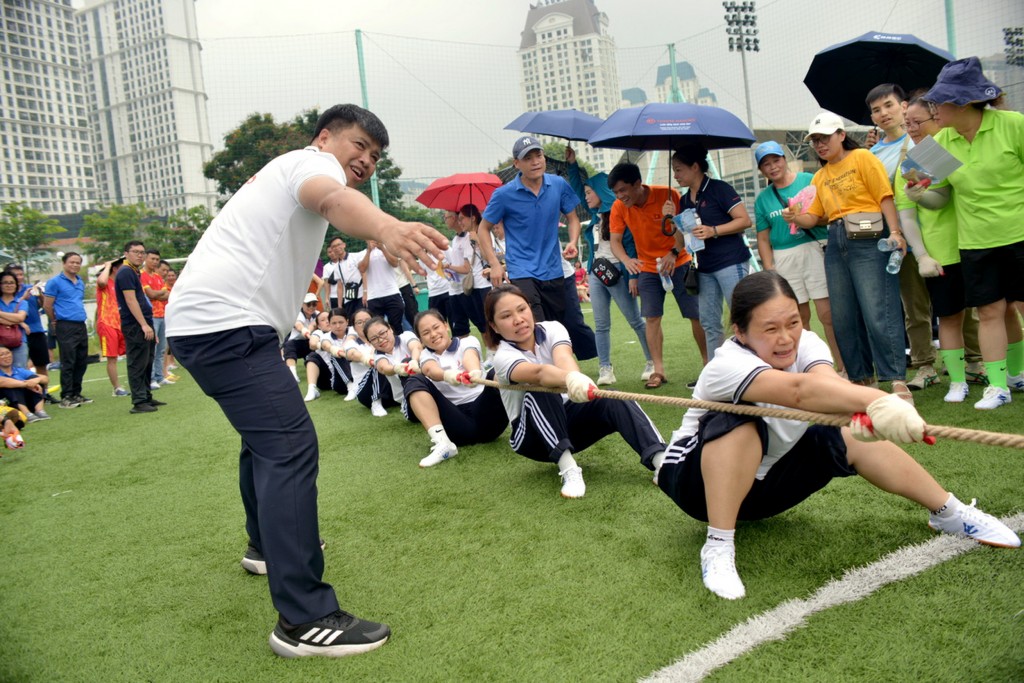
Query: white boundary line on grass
x=855 y=584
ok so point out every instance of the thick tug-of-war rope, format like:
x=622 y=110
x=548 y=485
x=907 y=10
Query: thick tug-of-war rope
x=833 y=420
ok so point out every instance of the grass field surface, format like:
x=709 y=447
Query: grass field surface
x=122 y=536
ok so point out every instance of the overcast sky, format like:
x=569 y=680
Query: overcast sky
x=443 y=74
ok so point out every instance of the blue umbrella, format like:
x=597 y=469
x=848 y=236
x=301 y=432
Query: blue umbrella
x=668 y=126
x=570 y=124
x=841 y=76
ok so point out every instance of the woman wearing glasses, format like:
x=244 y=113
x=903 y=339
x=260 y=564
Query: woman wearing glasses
x=443 y=398
x=395 y=358
x=359 y=353
x=853 y=198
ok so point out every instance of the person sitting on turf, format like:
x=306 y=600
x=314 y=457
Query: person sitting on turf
x=359 y=353
x=721 y=467
x=395 y=359
x=454 y=411
x=22 y=388
x=550 y=427
x=326 y=365
x=12 y=421
x=297 y=344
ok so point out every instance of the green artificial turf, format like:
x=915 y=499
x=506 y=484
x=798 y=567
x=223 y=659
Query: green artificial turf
x=122 y=536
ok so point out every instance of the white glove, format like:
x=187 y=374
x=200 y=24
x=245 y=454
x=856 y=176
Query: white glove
x=860 y=428
x=452 y=377
x=579 y=386
x=929 y=267
x=367 y=357
x=475 y=374
x=413 y=366
x=894 y=419
x=401 y=369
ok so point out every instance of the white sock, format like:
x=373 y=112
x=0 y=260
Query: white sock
x=949 y=509
x=566 y=461
x=295 y=373
x=720 y=537
x=437 y=434
x=659 y=458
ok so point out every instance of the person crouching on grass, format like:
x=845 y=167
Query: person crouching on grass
x=443 y=398
x=550 y=427
x=395 y=359
x=723 y=467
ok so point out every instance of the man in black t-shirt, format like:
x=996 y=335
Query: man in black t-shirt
x=137 y=327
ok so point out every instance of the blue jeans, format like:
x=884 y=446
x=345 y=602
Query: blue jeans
x=866 y=311
x=160 y=337
x=601 y=301
x=715 y=288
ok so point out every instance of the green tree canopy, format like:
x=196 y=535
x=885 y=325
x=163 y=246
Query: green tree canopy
x=179 y=234
x=114 y=225
x=24 y=232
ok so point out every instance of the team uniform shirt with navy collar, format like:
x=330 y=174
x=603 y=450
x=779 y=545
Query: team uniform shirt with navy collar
x=451 y=359
x=398 y=355
x=353 y=342
x=531 y=225
x=306 y=322
x=730 y=373
x=547 y=335
x=317 y=337
x=254 y=261
x=715 y=199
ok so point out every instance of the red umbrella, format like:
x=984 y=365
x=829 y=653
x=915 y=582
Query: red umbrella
x=455 y=191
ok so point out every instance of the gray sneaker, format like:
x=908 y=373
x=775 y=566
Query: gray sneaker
x=69 y=402
x=40 y=415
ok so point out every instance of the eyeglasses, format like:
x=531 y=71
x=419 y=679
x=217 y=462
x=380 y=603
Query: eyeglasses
x=816 y=140
x=911 y=123
x=136 y=251
x=379 y=338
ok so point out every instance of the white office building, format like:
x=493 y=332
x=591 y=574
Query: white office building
x=47 y=160
x=141 y=62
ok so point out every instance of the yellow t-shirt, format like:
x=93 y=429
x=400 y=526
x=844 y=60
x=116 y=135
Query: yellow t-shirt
x=856 y=184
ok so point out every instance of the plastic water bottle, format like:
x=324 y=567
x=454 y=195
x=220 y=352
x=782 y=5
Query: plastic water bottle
x=895 y=255
x=666 y=281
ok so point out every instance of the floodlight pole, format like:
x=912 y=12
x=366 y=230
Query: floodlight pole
x=374 y=192
x=741 y=27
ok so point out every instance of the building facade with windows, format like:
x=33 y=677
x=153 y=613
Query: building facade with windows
x=47 y=157
x=147 y=109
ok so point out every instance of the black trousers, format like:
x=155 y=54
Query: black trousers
x=73 y=342
x=278 y=463
x=392 y=308
x=557 y=300
x=139 y=354
x=440 y=304
x=412 y=307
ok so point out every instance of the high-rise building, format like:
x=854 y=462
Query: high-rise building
x=148 y=104
x=567 y=61
x=44 y=132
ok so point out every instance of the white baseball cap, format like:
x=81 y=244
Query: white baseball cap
x=824 y=123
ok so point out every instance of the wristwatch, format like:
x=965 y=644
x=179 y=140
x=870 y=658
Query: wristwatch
x=675 y=251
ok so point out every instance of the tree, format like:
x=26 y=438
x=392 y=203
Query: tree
x=256 y=141
x=178 y=236
x=114 y=225
x=24 y=232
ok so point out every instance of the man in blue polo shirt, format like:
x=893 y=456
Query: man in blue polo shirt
x=530 y=207
x=64 y=303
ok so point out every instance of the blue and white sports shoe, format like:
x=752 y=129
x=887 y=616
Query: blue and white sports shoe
x=439 y=453
x=718 y=569
x=1015 y=383
x=993 y=398
x=973 y=523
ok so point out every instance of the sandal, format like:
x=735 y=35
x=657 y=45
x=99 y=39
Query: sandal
x=656 y=380
x=903 y=391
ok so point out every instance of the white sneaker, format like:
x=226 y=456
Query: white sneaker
x=923 y=378
x=648 y=371
x=439 y=453
x=654 y=479
x=165 y=380
x=572 y=483
x=718 y=568
x=377 y=410
x=957 y=392
x=981 y=526
x=993 y=398
x=352 y=391
x=606 y=375
x=1015 y=383
x=153 y=386
x=312 y=394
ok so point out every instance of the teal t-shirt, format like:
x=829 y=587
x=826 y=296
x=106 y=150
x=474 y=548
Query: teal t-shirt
x=768 y=215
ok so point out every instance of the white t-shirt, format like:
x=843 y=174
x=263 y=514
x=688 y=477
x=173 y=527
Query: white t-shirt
x=333 y=269
x=352 y=341
x=353 y=278
x=380 y=277
x=547 y=336
x=256 y=259
x=436 y=284
x=317 y=337
x=451 y=359
x=398 y=354
x=469 y=254
x=455 y=256
x=730 y=373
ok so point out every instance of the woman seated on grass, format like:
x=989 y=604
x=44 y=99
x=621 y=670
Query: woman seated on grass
x=395 y=358
x=546 y=426
x=326 y=365
x=21 y=388
x=722 y=467
x=454 y=411
x=359 y=353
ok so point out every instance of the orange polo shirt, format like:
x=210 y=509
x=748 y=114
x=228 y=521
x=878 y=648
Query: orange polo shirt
x=645 y=225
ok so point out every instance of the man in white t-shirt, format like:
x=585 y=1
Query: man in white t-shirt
x=233 y=304
x=383 y=297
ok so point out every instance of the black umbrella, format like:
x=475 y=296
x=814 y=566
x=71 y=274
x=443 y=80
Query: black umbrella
x=841 y=76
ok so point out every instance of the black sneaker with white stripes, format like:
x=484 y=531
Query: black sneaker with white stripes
x=337 y=635
x=254 y=563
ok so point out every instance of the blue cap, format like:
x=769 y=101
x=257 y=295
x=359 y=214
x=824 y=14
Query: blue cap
x=524 y=146
x=962 y=82
x=766 y=148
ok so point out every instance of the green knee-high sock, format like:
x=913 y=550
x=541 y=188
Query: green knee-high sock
x=996 y=373
x=1015 y=358
x=953 y=359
